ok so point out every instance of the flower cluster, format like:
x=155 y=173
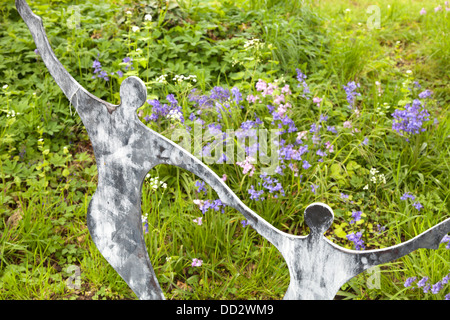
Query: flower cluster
x=255 y=195
x=253 y=43
x=155 y=183
x=427 y=287
x=410 y=121
x=247 y=165
x=201 y=187
x=374 y=177
x=408 y=195
x=172 y=111
x=350 y=90
x=356 y=215
x=99 y=71
x=196 y=262
x=181 y=78
x=356 y=239
x=205 y=205
x=302 y=79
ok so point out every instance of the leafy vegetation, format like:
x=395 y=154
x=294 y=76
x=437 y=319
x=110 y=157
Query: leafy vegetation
x=227 y=64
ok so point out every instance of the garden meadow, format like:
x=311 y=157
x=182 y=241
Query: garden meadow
x=289 y=102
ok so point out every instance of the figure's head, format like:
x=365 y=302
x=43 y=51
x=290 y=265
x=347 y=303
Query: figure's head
x=318 y=217
x=133 y=93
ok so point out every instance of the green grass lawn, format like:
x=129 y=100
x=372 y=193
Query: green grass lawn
x=353 y=78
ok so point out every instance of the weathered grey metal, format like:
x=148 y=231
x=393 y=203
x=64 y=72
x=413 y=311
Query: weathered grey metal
x=125 y=150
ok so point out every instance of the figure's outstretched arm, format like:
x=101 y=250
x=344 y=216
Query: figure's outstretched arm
x=65 y=81
x=429 y=239
x=173 y=154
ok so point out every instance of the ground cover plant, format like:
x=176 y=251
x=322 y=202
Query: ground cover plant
x=358 y=94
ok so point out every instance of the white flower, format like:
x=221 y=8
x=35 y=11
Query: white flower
x=373 y=171
x=366 y=187
x=148 y=17
x=408 y=71
x=135 y=29
x=382 y=178
x=161 y=78
x=347 y=10
x=129 y=13
x=174 y=115
x=5 y=86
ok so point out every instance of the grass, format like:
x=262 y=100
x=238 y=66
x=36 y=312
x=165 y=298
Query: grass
x=46 y=185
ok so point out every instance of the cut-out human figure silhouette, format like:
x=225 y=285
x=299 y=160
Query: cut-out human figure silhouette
x=125 y=150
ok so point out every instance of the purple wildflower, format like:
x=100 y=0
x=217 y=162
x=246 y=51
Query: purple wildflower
x=201 y=186
x=410 y=120
x=128 y=62
x=409 y=281
x=445 y=239
x=244 y=223
x=422 y=282
x=356 y=239
x=425 y=94
x=306 y=165
x=350 y=90
x=332 y=129
x=301 y=78
x=356 y=216
x=314 y=187
x=255 y=195
x=236 y=95
x=407 y=195
x=417 y=205
x=437 y=287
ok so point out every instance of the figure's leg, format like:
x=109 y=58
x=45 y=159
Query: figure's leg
x=115 y=224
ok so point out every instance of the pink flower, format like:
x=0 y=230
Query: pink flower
x=197 y=262
x=247 y=166
x=261 y=85
x=329 y=147
x=347 y=124
x=282 y=108
x=438 y=8
x=252 y=98
x=269 y=90
x=317 y=101
x=198 y=220
x=423 y=11
x=301 y=135
x=286 y=90
x=224 y=177
x=279 y=99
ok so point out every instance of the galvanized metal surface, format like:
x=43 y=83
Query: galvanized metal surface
x=126 y=150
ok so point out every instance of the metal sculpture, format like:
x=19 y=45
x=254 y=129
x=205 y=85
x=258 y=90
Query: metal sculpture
x=125 y=150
